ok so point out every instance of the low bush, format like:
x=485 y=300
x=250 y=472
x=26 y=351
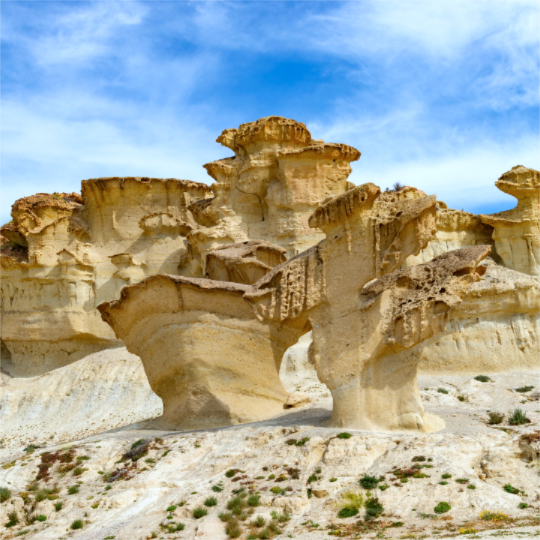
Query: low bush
x=13 y=519
x=5 y=494
x=523 y=389
x=347 y=512
x=217 y=489
x=489 y=515
x=522 y=506
x=482 y=378
x=517 y=418
x=253 y=500
x=443 y=483
x=199 y=512
x=259 y=522
x=351 y=502
x=442 y=390
x=495 y=418
x=78 y=471
x=210 y=501
x=344 y=435
x=471 y=486
x=511 y=489
x=58 y=506
x=171 y=508
x=462 y=480
x=72 y=490
x=446 y=476
x=442 y=508
x=230 y=473
x=373 y=508
x=333 y=479
x=368 y=482
x=77 y=524
x=41 y=517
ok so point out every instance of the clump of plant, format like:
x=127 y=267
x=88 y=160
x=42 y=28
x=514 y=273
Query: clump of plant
x=442 y=508
x=446 y=476
x=489 y=515
x=138 y=450
x=442 y=390
x=5 y=494
x=13 y=520
x=237 y=504
x=217 y=489
x=73 y=489
x=443 y=483
x=350 y=503
x=230 y=473
x=210 y=501
x=199 y=512
x=471 y=486
x=419 y=458
x=369 y=482
x=482 y=378
x=77 y=524
x=277 y=490
x=523 y=389
x=344 y=435
x=462 y=480
x=511 y=489
x=253 y=500
x=58 y=506
x=171 y=508
x=517 y=418
x=373 y=508
x=295 y=442
x=495 y=418
x=333 y=479
x=523 y=505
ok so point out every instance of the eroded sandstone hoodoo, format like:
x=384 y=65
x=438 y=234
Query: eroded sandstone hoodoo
x=66 y=253
x=517 y=231
x=355 y=332
x=206 y=355
x=268 y=190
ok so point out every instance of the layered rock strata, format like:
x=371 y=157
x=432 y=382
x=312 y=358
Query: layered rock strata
x=66 y=253
x=268 y=190
x=206 y=355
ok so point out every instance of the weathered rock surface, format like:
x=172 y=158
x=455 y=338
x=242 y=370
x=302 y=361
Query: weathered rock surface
x=277 y=178
x=67 y=253
x=207 y=356
x=184 y=467
x=517 y=231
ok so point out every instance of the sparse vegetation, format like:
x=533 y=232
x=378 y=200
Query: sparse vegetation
x=5 y=494
x=217 y=489
x=171 y=508
x=373 y=508
x=350 y=503
x=471 y=486
x=77 y=524
x=488 y=515
x=462 y=480
x=517 y=418
x=511 y=489
x=344 y=435
x=442 y=508
x=443 y=483
x=482 y=378
x=347 y=512
x=230 y=473
x=72 y=490
x=58 y=506
x=495 y=418
x=446 y=476
x=199 y=512
x=442 y=390
x=41 y=517
x=253 y=500
x=259 y=522
x=210 y=501
x=13 y=519
x=523 y=505
x=78 y=471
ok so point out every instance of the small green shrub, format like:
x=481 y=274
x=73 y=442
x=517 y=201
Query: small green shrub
x=234 y=532
x=259 y=522
x=522 y=506
x=510 y=489
x=384 y=487
x=217 y=489
x=403 y=480
x=277 y=490
x=82 y=458
x=397 y=524
x=73 y=489
x=78 y=471
x=344 y=435
x=495 y=418
x=312 y=478
x=13 y=519
x=442 y=390
x=5 y=494
x=58 y=506
x=482 y=378
x=230 y=473
x=333 y=479
x=442 y=508
x=462 y=480
x=294 y=442
x=199 y=512
x=77 y=524
x=253 y=500
x=264 y=534
x=107 y=487
x=443 y=483
x=418 y=458
x=180 y=527
x=210 y=501
x=347 y=512
x=517 y=418
x=138 y=443
x=523 y=389
x=373 y=508
x=368 y=482
x=446 y=476
x=41 y=517
x=471 y=486
x=171 y=508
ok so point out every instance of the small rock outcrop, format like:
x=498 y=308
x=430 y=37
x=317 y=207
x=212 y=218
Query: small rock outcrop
x=65 y=253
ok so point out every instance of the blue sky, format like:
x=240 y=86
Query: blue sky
x=442 y=95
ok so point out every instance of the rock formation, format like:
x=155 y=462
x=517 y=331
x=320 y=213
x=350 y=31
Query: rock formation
x=206 y=355
x=268 y=190
x=517 y=231
x=66 y=253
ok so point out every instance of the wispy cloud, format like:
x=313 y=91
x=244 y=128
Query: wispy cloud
x=442 y=95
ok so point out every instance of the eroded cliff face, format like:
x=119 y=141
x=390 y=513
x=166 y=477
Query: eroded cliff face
x=268 y=190
x=64 y=254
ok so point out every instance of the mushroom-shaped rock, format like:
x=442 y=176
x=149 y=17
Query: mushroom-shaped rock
x=243 y=263
x=212 y=362
x=517 y=231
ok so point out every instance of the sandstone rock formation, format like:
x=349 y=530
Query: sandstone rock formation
x=517 y=231
x=67 y=253
x=205 y=353
x=268 y=190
